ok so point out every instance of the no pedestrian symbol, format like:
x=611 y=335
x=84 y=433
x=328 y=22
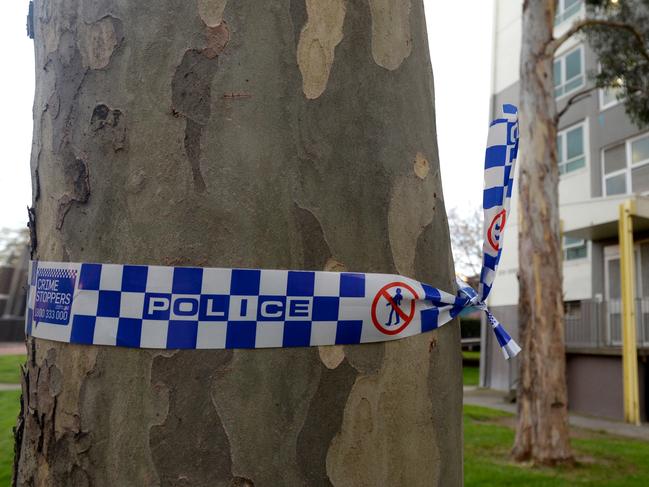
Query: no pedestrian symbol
x=393 y=307
x=496 y=229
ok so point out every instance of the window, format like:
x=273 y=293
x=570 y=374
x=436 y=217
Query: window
x=639 y=149
x=626 y=167
x=615 y=170
x=608 y=97
x=574 y=248
x=570 y=149
x=568 y=72
x=566 y=9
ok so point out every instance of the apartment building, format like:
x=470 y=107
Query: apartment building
x=603 y=161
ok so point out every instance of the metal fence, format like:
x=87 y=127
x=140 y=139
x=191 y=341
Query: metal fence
x=594 y=324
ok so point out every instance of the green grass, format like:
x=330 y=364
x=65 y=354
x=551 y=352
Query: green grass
x=471 y=370
x=475 y=356
x=10 y=368
x=602 y=460
x=9 y=406
x=470 y=375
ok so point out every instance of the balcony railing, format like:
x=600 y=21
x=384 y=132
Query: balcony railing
x=598 y=324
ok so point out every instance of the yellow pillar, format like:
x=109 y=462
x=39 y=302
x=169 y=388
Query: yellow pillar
x=629 y=346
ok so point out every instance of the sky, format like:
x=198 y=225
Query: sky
x=461 y=58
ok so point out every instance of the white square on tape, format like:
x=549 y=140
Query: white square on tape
x=111 y=277
x=216 y=281
x=105 y=331
x=159 y=279
x=154 y=334
x=131 y=305
x=211 y=334
x=323 y=332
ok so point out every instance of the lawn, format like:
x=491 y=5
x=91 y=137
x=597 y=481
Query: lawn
x=10 y=368
x=602 y=460
x=9 y=407
x=470 y=375
x=471 y=369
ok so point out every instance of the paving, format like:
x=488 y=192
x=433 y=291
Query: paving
x=12 y=348
x=497 y=400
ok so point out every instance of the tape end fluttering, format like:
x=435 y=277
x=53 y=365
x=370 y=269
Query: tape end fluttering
x=499 y=167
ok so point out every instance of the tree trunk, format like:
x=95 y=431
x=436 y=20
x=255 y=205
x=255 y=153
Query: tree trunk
x=542 y=434
x=276 y=134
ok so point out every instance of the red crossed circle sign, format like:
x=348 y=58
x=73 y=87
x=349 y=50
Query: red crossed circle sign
x=496 y=229
x=406 y=318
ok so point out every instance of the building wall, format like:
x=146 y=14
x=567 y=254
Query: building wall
x=507 y=43
x=595 y=385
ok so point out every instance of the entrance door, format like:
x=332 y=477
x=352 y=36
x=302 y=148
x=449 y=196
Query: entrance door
x=614 y=294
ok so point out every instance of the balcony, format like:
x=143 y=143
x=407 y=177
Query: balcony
x=597 y=325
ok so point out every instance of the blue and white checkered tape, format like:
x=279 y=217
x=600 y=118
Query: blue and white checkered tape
x=210 y=308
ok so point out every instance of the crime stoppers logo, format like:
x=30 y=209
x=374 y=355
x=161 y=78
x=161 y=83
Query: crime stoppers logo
x=393 y=307
x=496 y=229
x=54 y=293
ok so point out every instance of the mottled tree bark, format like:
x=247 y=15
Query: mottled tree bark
x=542 y=433
x=276 y=134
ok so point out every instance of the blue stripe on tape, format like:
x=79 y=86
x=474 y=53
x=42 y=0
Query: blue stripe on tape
x=492 y=197
x=495 y=156
x=501 y=335
x=490 y=261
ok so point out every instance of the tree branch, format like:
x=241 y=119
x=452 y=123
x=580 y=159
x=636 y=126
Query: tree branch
x=552 y=46
x=574 y=99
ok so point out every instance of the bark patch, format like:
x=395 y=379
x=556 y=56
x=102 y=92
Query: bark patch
x=201 y=459
x=241 y=482
x=54 y=446
x=421 y=166
x=331 y=355
x=192 y=98
x=378 y=421
x=404 y=224
x=323 y=422
x=33 y=238
x=315 y=249
x=391 y=37
x=97 y=41
x=109 y=122
x=216 y=40
x=368 y=359
x=211 y=11
x=78 y=182
x=318 y=40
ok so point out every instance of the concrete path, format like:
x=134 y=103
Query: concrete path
x=13 y=348
x=496 y=400
x=9 y=387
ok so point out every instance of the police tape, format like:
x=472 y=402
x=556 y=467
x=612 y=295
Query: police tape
x=148 y=306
